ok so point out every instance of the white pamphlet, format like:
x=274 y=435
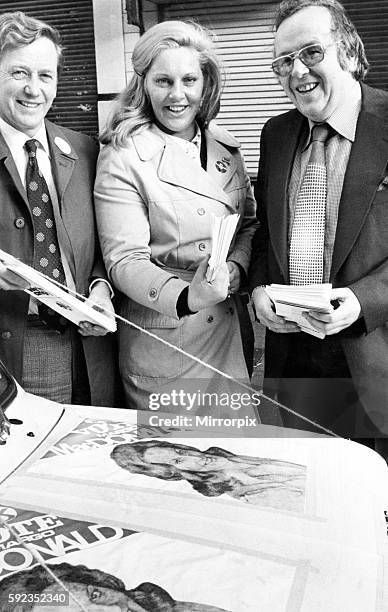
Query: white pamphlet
x=43 y=289
x=293 y=301
x=222 y=234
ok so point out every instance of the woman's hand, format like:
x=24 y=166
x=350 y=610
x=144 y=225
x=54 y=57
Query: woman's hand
x=100 y=296
x=203 y=294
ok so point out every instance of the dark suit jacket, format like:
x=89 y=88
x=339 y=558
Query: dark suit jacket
x=74 y=174
x=360 y=256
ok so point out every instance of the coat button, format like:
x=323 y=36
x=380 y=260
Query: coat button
x=238 y=205
x=210 y=319
x=20 y=223
x=6 y=335
x=152 y=293
x=202 y=246
x=201 y=211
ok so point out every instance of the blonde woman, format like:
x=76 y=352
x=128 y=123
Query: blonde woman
x=165 y=171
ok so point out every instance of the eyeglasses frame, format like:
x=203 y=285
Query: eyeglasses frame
x=296 y=54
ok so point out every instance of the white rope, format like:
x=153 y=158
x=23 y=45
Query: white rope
x=35 y=554
x=39 y=559
x=194 y=358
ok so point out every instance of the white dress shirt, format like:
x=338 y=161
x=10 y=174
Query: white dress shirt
x=16 y=141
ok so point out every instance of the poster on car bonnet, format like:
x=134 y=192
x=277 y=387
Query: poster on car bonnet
x=111 y=452
x=103 y=568
x=319 y=487
x=198 y=537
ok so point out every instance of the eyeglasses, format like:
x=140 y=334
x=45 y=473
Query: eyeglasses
x=309 y=56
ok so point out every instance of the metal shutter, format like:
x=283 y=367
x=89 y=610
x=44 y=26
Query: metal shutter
x=76 y=103
x=252 y=94
x=371 y=19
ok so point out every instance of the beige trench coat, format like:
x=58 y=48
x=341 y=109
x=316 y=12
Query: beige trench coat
x=154 y=208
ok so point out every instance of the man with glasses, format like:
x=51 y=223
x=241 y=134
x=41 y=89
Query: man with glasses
x=323 y=218
x=47 y=221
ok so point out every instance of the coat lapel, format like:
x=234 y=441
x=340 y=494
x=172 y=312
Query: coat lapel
x=221 y=165
x=279 y=173
x=178 y=169
x=63 y=158
x=367 y=166
x=9 y=163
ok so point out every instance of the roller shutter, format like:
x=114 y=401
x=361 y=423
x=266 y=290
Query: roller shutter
x=76 y=103
x=371 y=20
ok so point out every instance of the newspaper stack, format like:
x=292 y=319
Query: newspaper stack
x=73 y=308
x=292 y=301
x=222 y=233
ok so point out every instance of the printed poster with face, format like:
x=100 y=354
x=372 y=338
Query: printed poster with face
x=108 y=568
x=228 y=471
x=302 y=562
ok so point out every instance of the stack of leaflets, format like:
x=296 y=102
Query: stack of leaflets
x=222 y=233
x=40 y=287
x=292 y=301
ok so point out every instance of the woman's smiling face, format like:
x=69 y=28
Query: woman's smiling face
x=174 y=84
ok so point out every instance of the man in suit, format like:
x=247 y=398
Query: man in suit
x=67 y=366
x=340 y=382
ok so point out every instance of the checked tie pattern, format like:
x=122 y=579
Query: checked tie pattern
x=47 y=257
x=308 y=229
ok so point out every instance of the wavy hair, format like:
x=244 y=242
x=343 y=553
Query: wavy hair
x=130 y=456
x=132 y=110
x=150 y=596
x=37 y=579
x=18 y=29
x=352 y=47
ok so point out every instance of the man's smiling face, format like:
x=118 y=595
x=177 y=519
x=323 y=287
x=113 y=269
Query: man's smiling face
x=28 y=84
x=319 y=90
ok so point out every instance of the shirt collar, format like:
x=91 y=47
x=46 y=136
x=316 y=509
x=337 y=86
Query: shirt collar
x=15 y=138
x=192 y=147
x=41 y=136
x=344 y=119
x=196 y=140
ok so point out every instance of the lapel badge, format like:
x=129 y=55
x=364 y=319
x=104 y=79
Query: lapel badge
x=226 y=160
x=62 y=145
x=221 y=166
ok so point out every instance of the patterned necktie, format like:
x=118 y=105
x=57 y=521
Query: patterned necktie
x=47 y=257
x=308 y=229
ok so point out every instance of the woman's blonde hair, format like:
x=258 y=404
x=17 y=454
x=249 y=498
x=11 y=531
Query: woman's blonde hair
x=132 y=111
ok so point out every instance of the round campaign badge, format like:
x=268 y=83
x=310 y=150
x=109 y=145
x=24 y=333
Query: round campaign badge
x=221 y=166
x=62 y=145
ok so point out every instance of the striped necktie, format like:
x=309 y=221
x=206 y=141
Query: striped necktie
x=308 y=229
